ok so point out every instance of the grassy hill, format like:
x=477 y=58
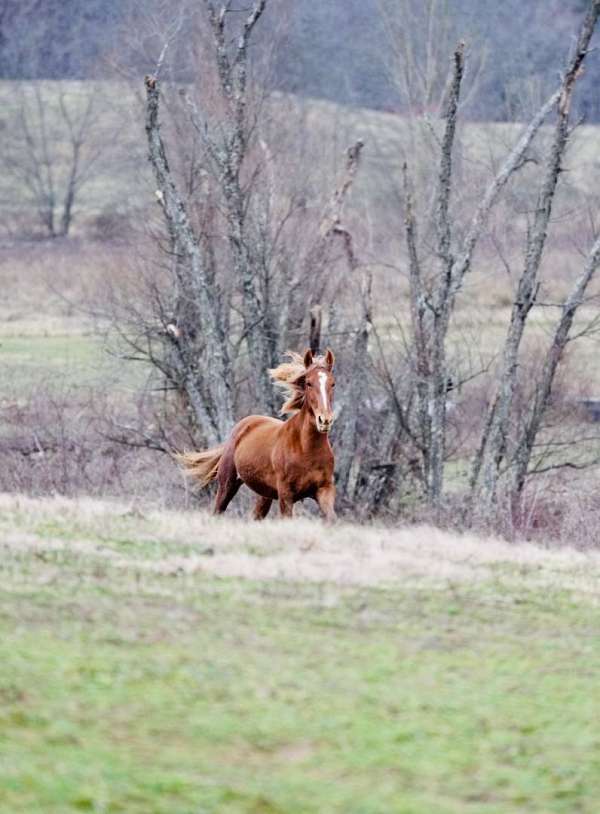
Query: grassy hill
x=157 y=663
x=120 y=181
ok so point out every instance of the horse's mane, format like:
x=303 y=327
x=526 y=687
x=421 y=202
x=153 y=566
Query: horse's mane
x=289 y=376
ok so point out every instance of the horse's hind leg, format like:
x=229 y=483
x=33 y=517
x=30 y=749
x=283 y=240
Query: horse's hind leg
x=225 y=494
x=229 y=482
x=261 y=508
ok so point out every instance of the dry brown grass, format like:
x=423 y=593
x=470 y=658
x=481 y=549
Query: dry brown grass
x=53 y=288
x=301 y=550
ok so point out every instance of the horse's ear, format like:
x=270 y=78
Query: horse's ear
x=308 y=358
x=329 y=359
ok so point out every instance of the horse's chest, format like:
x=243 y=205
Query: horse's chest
x=305 y=480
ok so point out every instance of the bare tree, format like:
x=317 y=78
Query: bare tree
x=420 y=34
x=494 y=443
x=433 y=298
x=55 y=131
x=245 y=263
x=440 y=249
x=52 y=148
x=242 y=258
x=530 y=429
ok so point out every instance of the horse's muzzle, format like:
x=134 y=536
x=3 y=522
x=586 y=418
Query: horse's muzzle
x=324 y=424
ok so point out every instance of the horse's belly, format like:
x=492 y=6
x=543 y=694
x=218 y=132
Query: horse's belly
x=260 y=486
x=257 y=475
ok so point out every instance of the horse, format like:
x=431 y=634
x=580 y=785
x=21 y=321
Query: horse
x=279 y=460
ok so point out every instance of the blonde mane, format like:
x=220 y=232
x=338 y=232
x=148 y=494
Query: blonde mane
x=289 y=377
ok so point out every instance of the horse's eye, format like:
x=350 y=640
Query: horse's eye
x=333 y=384
x=308 y=384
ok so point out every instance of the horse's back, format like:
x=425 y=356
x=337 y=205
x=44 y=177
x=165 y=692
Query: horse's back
x=256 y=429
x=255 y=421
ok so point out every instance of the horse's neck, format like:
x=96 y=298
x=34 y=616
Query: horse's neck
x=303 y=427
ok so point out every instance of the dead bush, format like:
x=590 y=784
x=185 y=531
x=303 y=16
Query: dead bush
x=58 y=441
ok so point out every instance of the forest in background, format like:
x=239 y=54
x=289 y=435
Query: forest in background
x=336 y=50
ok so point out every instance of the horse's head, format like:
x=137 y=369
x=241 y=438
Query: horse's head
x=318 y=388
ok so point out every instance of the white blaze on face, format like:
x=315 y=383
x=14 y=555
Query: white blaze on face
x=322 y=385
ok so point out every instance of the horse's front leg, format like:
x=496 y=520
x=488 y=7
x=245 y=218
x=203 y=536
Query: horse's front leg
x=286 y=501
x=326 y=501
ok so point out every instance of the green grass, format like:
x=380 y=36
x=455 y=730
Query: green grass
x=129 y=690
x=58 y=362
x=28 y=360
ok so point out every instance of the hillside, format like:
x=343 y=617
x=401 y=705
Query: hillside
x=341 y=50
x=320 y=131
x=175 y=663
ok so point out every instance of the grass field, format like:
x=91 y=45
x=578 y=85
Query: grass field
x=321 y=130
x=163 y=664
x=32 y=361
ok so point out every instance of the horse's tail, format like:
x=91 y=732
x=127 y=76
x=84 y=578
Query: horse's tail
x=203 y=466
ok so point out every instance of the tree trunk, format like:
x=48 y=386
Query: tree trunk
x=486 y=466
x=195 y=285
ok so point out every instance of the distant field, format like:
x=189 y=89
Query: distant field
x=116 y=140
x=31 y=361
x=121 y=180
x=49 y=335
x=121 y=186
x=175 y=664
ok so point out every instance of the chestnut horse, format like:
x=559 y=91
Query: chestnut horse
x=279 y=460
